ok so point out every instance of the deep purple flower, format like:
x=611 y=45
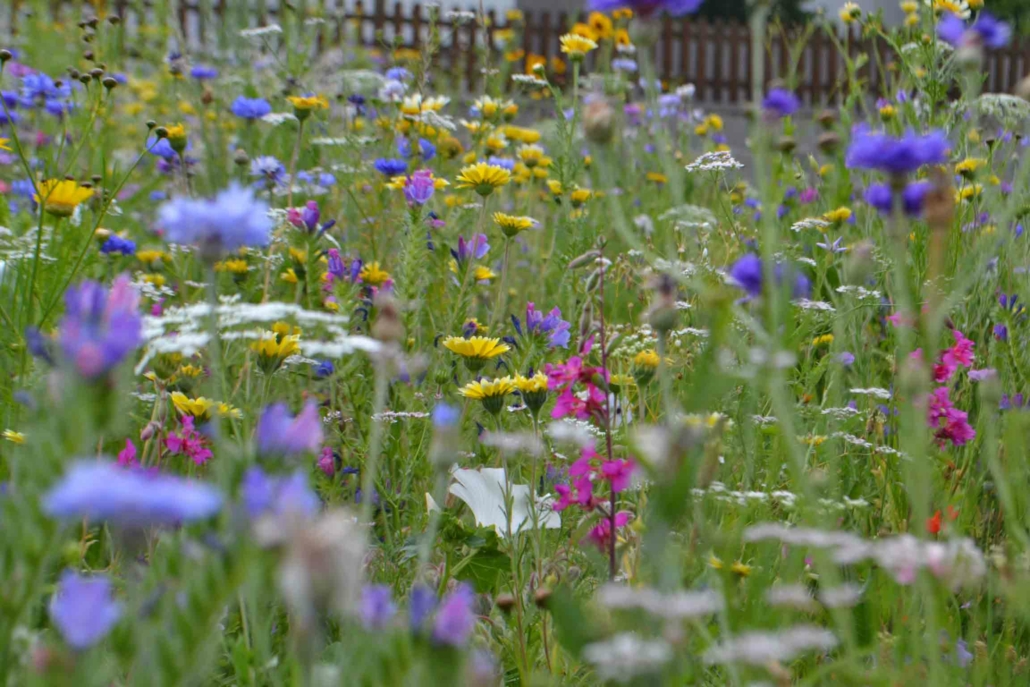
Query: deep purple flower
x=986 y=31
x=306 y=217
x=104 y=491
x=202 y=72
x=779 y=103
x=904 y=155
x=334 y=263
x=476 y=248
x=83 y=609
x=232 y=219
x=390 y=167
x=280 y=434
x=551 y=326
x=250 y=108
x=455 y=620
x=324 y=369
x=100 y=328
x=288 y=496
x=747 y=274
x=116 y=244
x=377 y=606
x=645 y=8
x=419 y=187
x=1001 y=332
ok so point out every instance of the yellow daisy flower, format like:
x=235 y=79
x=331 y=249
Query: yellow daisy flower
x=60 y=197
x=576 y=47
x=513 y=225
x=373 y=275
x=483 y=178
x=13 y=437
x=490 y=392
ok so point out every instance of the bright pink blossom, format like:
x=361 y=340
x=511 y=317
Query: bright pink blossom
x=601 y=533
x=127 y=456
x=191 y=442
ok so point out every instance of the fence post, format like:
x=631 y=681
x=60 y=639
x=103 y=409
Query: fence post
x=416 y=26
x=701 y=34
x=666 y=71
x=470 y=57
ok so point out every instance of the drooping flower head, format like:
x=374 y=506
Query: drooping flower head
x=896 y=155
x=103 y=491
x=513 y=225
x=278 y=433
x=100 y=327
x=232 y=219
x=83 y=609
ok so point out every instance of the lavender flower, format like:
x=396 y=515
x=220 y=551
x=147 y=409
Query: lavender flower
x=419 y=187
x=280 y=434
x=83 y=609
x=289 y=496
x=202 y=72
x=551 y=326
x=268 y=168
x=100 y=328
x=779 y=103
x=476 y=248
x=104 y=491
x=420 y=606
x=377 y=607
x=897 y=156
x=455 y=620
x=232 y=219
x=250 y=108
x=422 y=148
x=881 y=197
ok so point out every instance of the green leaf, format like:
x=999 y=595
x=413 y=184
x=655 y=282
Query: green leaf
x=572 y=625
x=485 y=569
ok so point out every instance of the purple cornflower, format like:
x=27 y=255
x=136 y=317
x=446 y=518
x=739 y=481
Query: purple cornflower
x=288 y=496
x=476 y=248
x=334 y=263
x=377 y=606
x=105 y=491
x=780 y=103
x=645 y=8
x=455 y=620
x=280 y=434
x=419 y=187
x=390 y=167
x=747 y=273
x=100 y=328
x=83 y=609
x=986 y=31
x=551 y=326
x=250 y=108
x=232 y=219
x=116 y=244
x=881 y=197
x=897 y=156
x=202 y=72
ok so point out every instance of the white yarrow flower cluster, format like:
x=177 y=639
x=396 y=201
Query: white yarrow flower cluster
x=675 y=605
x=626 y=656
x=262 y=31
x=718 y=161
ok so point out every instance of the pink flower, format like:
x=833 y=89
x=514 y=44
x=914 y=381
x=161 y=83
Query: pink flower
x=950 y=423
x=127 y=456
x=327 y=462
x=601 y=533
x=190 y=443
x=943 y=371
x=618 y=472
x=961 y=353
x=899 y=319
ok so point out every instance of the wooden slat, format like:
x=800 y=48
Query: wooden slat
x=702 y=32
x=733 y=77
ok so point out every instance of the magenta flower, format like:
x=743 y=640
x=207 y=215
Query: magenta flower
x=950 y=423
x=618 y=472
x=961 y=353
x=601 y=533
x=190 y=443
x=304 y=218
x=127 y=456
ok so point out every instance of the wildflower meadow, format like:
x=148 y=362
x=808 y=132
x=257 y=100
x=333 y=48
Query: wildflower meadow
x=321 y=368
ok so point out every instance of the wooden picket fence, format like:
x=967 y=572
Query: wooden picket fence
x=714 y=56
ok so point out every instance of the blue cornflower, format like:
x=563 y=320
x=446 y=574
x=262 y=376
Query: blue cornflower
x=398 y=74
x=834 y=247
x=324 y=369
x=445 y=416
x=116 y=244
x=377 y=606
x=103 y=491
x=426 y=150
x=747 y=273
x=250 y=108
x=280 y=434
x=232 y=219
x=390 y=167
x=11 y=99
x=37 y=88
x=897 y=156
x=986 y=31
x=644 y=8
x=846 y=358
x=779 y=103
x=268 y=168
x=624 y=64
x=202 y=72
x=881 y=197
x=83 y=609
x=326 y=179
x=421 y=605
x=288 y=496
x=100 y=327
x=502 y=162
x=58 y=108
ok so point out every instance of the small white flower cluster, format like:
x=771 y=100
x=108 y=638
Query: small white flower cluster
x=875 y=392
x=718 y=161
x=673 y=606
x=862 y=443
x=842 y=412
x=277 y=118
x=821 y=306
x=24 y=247
x=528 y=80
x=626 y=656
x=512 y=442
x=809 y=223
x=576 y=432
x=763 y=648
x=956 y=562
x=261 y=31
x=859 y=291
x=393 y=417
x=460 y=16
